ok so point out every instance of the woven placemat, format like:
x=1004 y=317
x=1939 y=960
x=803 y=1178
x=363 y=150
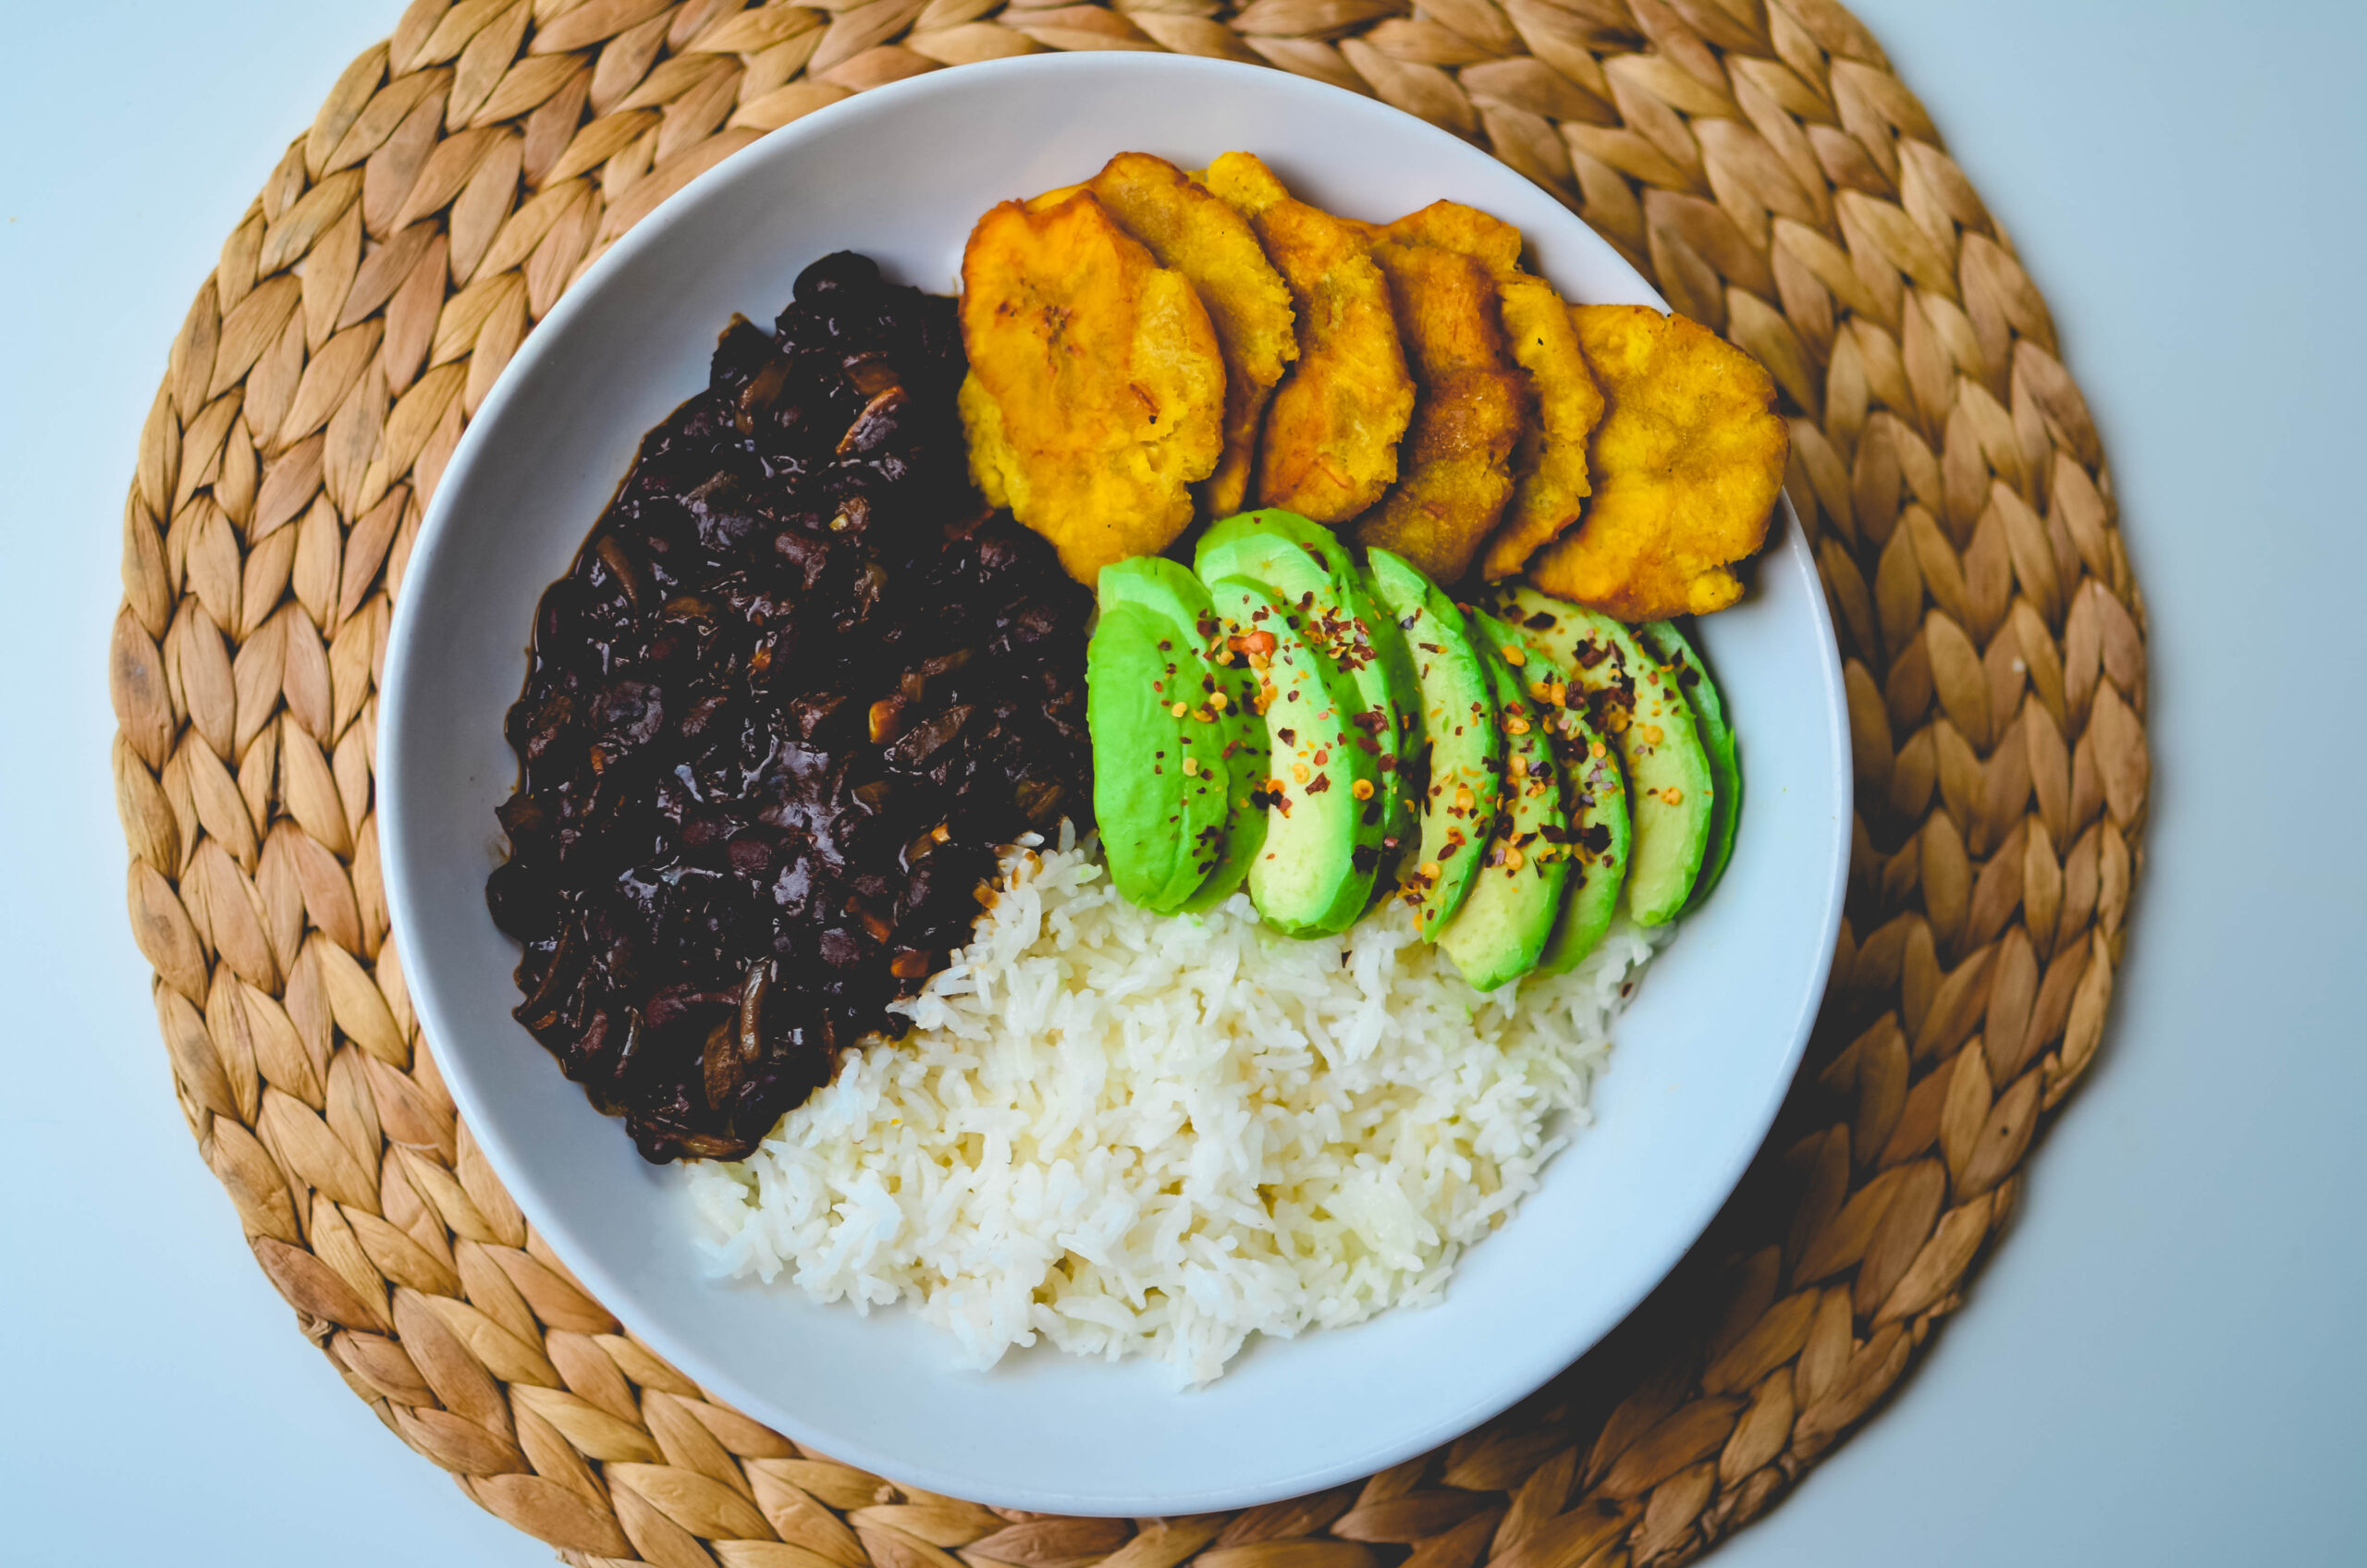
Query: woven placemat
x=1756 y=158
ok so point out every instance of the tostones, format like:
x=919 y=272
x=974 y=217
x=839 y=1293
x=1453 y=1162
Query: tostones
x=1470 y=407
x=1686 y=465
x=1550 y=468
x=1553 y=481
x=1095 y=394
x=1328 y=448
x=1467 y=231
x=1189 y=229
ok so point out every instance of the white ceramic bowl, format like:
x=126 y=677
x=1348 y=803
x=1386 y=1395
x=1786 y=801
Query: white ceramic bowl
x=1702 y=1059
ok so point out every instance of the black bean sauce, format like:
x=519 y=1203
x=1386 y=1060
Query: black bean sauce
x=798 y=688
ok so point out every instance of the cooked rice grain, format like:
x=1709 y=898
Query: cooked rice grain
x=1131 y=1133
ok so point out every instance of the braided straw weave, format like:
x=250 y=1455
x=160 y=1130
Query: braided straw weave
x=1756 y=157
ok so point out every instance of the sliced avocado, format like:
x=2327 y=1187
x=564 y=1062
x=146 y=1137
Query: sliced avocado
x=1158 y=585
x=1268 y=519
x=1322 y=848
x=1594 y=797
x=1662 y=639
x=1457 y=769
x=1504 y=926
x=1248 y=760
x=1159 y=776
x=1312 y=572
x=1632 y=700
x=1168 y=589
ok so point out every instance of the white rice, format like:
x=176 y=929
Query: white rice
x=1135 y=1134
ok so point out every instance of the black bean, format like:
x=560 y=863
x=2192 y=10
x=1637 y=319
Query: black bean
x=780 y=714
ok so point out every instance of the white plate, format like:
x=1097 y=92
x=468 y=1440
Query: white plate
x=1702 y=1059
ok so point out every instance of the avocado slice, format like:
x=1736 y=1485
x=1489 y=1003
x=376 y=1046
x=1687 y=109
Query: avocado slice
x=1159 y=779
x=1313 y=572
x=1516 y=900
x=1225 y=701
x=1323 y=844
x=1594 y=797
x=1462 y=756
x=1662 y=639
x=1632 y=699
x=1248 y=761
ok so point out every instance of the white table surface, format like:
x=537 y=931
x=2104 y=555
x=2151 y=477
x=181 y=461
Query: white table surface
x=2163 y=1366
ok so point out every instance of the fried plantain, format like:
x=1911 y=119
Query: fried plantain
x=1328 y=448
x=1467 y=231
x=1686 y=464
x=1470 y=407
x=1095 y=394
x=1189 y=229
x=1553 y=481
x=1550 y=467
x=994 y=466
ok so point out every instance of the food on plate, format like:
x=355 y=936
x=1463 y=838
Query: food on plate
x=1550 y=747
x=1548 y=769
x=1189 y=229
x=1328 y=448
x=1309 y=569
x=1550 y=467
x=1435 y=398
x=1206 y=953
x=1470 y=406
x=1224 y=698
x=791 y=699
x=1501 y=930
x=1686 y=465
x=1457 y=769
x=1123 y=1134
x=1096 y=389
x=1158 y=774
x=1324 y=839
x=1665 y=643
x=1637 y=701
x=1594 y=797
x=1466 y=230
x=1554 y=480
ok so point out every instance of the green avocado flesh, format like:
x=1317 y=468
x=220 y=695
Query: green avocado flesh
x=1312 y=572
x=1516 y=900
x=1594 y=797
x=1668 y=644
x=1162 y=821
x=1168 y=590
x=1639 y=704
x=1247 y=758
x=1315 y=872
x=1161 y=586
x=1465 y=747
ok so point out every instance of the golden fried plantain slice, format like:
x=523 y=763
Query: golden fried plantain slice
x=994 y=466
x=1553 y=481
x=1328 y=448
x=1467 y=231
x=1469 y=409
x=1687 y=461
x=1207 y=241
x=1096 y=387
x=1550 y=468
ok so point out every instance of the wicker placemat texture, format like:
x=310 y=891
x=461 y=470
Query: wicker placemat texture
x=1757 y=158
